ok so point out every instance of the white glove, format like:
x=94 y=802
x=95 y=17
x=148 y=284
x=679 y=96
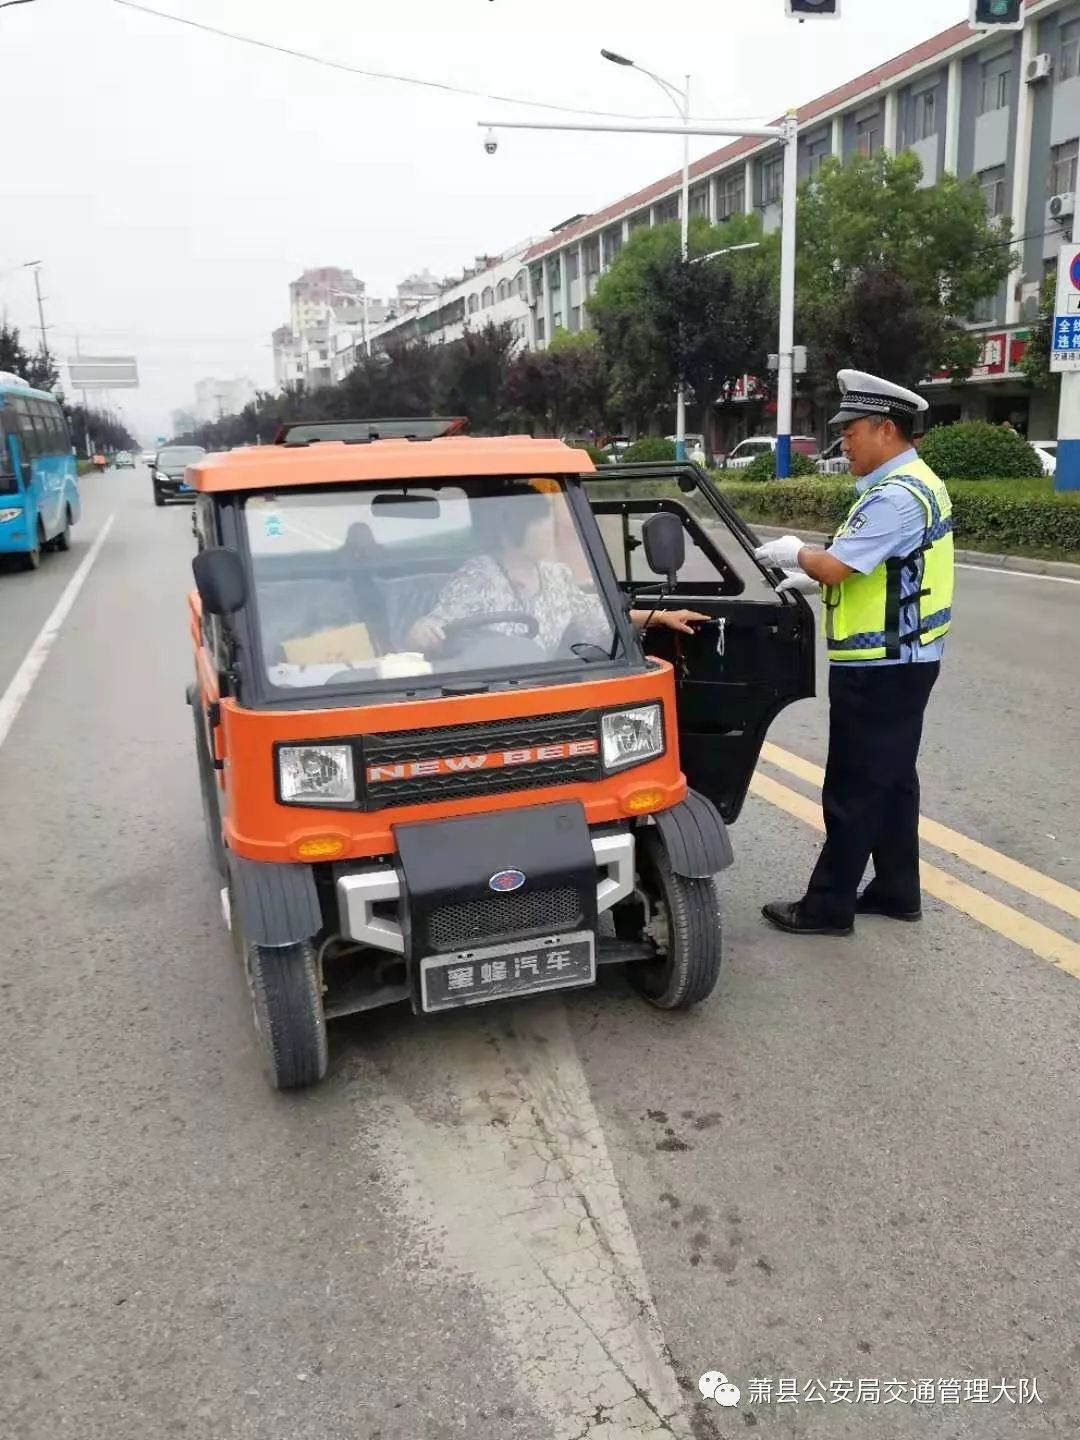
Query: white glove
x=805 y=584
x=782 y=554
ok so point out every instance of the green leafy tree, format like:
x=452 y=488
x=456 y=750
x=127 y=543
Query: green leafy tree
x=870 y=228
x=660 y=319
x=13 y=357
x=1036 y=361
x=469 y=377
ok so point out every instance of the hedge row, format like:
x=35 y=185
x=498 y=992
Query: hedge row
x=1005 y=515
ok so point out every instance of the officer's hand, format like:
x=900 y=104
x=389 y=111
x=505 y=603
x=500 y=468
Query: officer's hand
x=427 y=635
x=681 y=620
x=782 y=554
x=805 y=584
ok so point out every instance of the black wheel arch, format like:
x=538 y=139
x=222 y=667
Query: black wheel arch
x=695 y=838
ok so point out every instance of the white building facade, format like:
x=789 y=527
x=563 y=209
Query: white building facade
x=1002 y=106
x=492 y=291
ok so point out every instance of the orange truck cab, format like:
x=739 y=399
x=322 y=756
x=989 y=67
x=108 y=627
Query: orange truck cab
x=440 y=765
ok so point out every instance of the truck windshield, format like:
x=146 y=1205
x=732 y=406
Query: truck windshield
x=386 y=582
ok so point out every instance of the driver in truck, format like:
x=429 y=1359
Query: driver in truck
x=521 y=573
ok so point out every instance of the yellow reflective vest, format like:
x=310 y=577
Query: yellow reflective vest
x=864 y=617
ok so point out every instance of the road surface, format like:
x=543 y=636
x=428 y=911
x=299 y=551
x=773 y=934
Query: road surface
x=855 y=1166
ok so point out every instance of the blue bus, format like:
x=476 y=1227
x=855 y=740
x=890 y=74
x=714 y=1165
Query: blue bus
x=39 y=492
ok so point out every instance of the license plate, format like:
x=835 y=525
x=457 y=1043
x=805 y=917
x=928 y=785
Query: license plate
x=497 y=972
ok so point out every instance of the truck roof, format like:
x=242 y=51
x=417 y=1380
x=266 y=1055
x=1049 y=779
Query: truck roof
x=333 y=462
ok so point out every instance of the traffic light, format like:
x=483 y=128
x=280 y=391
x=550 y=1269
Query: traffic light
x=997 y=15
x=819 y=9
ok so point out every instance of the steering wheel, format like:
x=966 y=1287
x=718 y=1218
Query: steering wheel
x=454 y=628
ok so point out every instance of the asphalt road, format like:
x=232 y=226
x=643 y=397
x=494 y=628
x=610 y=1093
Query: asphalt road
x=857 y=1163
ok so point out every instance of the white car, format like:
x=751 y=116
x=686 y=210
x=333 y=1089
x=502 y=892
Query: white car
x=747 y=451
x=695 y=447
x=1046 y=450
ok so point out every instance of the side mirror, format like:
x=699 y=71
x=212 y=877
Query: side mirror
x=220 y=580
x=665 y=544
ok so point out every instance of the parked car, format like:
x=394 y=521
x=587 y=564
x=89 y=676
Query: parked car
x=168 y=474
x=747 y=451
x=695 y=447
x=147 y=457
x=832 y=460
x=1047 y=453
x=124 y=460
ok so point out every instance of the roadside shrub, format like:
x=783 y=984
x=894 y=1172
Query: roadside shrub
x=990 y=514
x=764 y=467
x=975 y=449
x=595 y=454
x=652 y=448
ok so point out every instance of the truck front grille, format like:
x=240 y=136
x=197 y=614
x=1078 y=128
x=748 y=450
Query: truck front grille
x=506 y=917
x=411 y=767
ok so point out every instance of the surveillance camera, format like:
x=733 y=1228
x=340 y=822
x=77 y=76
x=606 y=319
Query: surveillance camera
x=491 y=144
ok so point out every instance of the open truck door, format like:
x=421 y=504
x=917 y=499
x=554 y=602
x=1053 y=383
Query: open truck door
x=734 y=675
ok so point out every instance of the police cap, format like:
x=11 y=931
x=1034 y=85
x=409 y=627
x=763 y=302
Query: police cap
x=865 y=394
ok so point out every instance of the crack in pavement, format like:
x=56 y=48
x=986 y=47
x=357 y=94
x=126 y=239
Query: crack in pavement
x=516 y=1192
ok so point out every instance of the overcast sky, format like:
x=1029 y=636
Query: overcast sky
x=173 y=182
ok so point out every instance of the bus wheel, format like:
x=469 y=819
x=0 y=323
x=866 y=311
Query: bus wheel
x=682 y=919
x=287 y=998
x=32 y=558
x=63 y=540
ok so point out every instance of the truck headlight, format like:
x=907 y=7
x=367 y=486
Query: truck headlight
x=630 y=736
x=316 y=774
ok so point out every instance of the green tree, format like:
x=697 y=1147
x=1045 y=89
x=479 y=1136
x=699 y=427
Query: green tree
x=470 y=374
x=870 y=229
x=1036 y=361
x=41 y=371
x=13 y=357
x=658 y=318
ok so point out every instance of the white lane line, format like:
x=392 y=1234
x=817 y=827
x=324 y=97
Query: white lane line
x=14 y=697
x=509 y=1181
x=1019 y=574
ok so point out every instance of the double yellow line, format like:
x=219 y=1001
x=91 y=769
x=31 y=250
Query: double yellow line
x=1047 y=944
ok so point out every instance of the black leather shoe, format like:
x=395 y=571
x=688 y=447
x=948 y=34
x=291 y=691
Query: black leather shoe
x=867 y=905
x=787 y=915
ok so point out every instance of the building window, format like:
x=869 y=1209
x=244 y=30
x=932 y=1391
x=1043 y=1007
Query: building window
x=1063 y=167
x=554 y=274
x=474 y=304
x=667 y=210
x=868 y=134
x=575 y=318
x=591 y=250
x=641 y=218
x=522 y=282
x=772 y=181
x=1068 y=66
x=994 y=92
x=924 y=115
x=818 y=151
x=699 y=201
x=538 y=279
x=556 y=320
x=573 y=269
x=732 y=196
x=992 y=184
x=985 y=312
x=612 y=244
x=487 y=299
x=540 y=328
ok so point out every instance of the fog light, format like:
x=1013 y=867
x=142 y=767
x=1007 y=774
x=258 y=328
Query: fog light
x=636 y=802
x=320 y=847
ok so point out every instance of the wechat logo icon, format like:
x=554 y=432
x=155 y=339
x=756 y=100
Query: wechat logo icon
x=714 y=1385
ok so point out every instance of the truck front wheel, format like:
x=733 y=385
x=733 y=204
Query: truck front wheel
x=682 y=919
x=286 y=994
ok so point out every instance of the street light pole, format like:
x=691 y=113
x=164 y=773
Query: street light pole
x=788 y=132
x=681 y=100
x=41 y=312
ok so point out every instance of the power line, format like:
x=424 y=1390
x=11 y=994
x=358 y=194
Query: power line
x=399 y=79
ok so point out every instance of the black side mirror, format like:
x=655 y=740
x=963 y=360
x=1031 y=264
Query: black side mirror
x=665 y=544
x=220 y=580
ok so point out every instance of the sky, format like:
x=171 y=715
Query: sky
x=172 y=182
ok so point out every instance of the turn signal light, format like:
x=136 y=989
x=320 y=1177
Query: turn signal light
x=320 y=847
x=636 y=802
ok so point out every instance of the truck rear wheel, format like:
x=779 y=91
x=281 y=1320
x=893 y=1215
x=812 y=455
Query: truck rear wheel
x=287 y=998
x=682 y=918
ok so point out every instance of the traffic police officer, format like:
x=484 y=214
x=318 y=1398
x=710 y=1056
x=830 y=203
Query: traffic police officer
x=887 y=593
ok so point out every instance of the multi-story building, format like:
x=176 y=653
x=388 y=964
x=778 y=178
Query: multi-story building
x=215 y=398
x=1002 y=106
x=317 y=289
x=493 y=289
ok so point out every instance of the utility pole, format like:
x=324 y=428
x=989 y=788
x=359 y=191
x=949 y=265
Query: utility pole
x=41 y=314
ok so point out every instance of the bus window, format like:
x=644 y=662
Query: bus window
x=24 y=427
x=43 y=412
x=63 y=434
x=8 y=484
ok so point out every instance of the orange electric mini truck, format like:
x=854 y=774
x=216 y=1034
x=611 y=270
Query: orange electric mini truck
x=448 y=753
